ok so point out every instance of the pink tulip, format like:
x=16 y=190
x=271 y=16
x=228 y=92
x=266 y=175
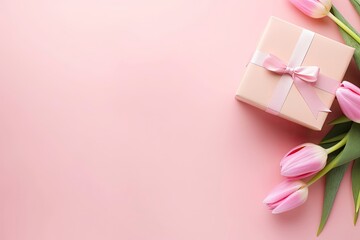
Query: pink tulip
x=313 y=8
x=348 y=96
x=303 y=161
x=321 y=8
x=286 y=196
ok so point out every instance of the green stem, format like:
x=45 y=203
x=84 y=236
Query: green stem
x=344 y=27
x=338 y=145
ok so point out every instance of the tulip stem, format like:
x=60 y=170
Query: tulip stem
x=338 y=145
x=344 y=27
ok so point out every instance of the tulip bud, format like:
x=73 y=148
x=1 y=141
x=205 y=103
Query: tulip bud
x=313 y=8
x=348 y=96
x=286 y=196
x=303 y=161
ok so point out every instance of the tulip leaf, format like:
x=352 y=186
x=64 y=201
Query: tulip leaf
x=356 y=5
x=355 y=179
x=332 y=184
x=347 y=38
x=338 y=130
x=342 y=119
x=351 y=150
x=334 y=139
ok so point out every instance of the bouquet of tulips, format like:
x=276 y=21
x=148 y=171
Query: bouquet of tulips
x=341 y=146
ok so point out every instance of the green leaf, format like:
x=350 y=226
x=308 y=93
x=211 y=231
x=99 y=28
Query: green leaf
x=334 y=139
x=338 y=130
x=356 y=5
x=333 y=178
x=347 y=38
x=352 y=148
x=342 y=119
x=332 y=184
x=355 y=179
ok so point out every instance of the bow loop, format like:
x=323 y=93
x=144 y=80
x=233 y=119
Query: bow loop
x=306 y=73
x=274 y=64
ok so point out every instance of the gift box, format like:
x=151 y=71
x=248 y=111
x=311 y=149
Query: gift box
x=294 y=73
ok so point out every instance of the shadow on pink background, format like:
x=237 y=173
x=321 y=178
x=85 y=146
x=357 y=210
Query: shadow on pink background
x=118 y=121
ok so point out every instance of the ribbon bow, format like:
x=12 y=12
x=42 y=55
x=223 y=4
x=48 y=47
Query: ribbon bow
x=305 y=78
x=306 y=73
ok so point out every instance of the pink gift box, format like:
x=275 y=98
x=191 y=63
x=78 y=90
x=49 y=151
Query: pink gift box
x=286 y=92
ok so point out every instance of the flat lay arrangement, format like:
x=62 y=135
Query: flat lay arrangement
x=339 y=150
x=179 y=119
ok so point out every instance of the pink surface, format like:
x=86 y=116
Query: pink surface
x=118 y=121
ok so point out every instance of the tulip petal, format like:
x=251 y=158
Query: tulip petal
x=294 y=200
x=312 y=163
x=313 y=8
x=298 y=177
x=303 y=160
x=282 y=190
x=348 y=96
x=291 y=152
x=351 y=86
x=326 y=3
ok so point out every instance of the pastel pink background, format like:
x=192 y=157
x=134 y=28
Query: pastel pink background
x=118 y=121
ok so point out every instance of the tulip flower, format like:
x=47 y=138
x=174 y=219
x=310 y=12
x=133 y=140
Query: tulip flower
x=303 y=161
x=313 y=8
x=286 y=196
x=320 y=9
x=348 y=96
